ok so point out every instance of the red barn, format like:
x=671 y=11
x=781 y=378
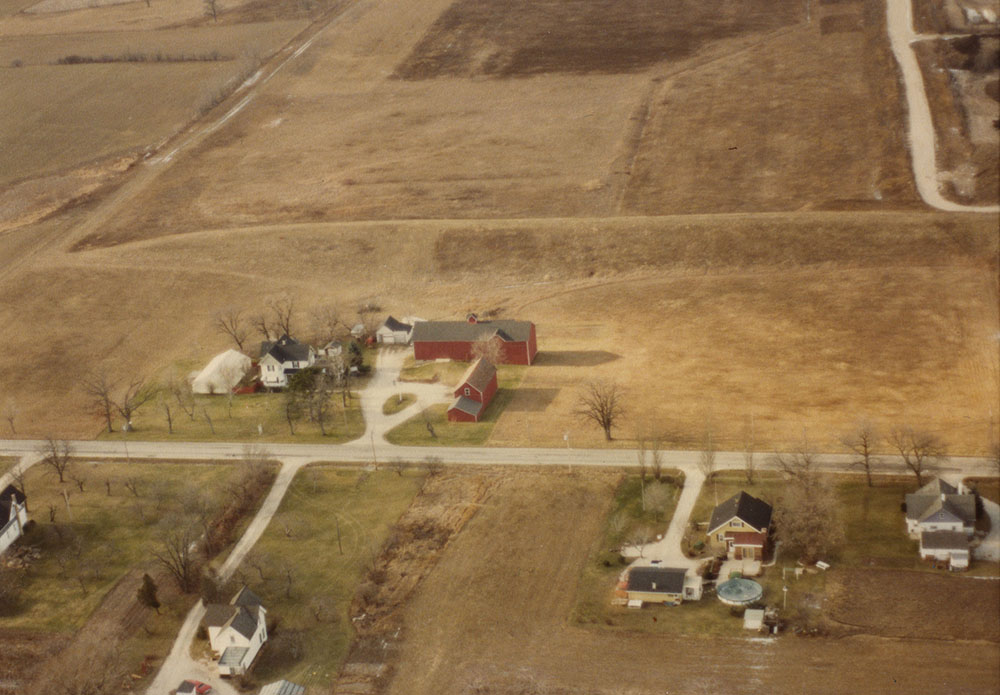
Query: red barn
x=474 y=392
x=455 y=340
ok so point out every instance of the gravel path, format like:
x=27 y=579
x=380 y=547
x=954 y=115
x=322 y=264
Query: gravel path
x=899 y=16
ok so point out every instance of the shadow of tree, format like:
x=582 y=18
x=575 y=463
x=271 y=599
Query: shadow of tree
x=574 y=358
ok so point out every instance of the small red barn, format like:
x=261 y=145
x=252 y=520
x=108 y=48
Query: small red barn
x=455 y=340
x=474 y=392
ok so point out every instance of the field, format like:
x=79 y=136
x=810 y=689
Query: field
x=329 y=528
x=516 y=564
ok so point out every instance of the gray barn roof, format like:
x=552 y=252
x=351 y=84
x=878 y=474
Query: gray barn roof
x=282 y=688
x=666 y=580
x=462 y=331
x=747 y=508
x=467 y=405
x=479 y=375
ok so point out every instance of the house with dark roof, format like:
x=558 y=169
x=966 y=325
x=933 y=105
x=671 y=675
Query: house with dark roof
x=655 y=584
x=739 y=527
x=13 y=515
x=515 y=341
x=236 y=630
x=394 y=332
x=940 y=506
x=474 y=392
x=282 y=358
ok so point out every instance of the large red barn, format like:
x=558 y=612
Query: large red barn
x=474 y=392
x=454 y=340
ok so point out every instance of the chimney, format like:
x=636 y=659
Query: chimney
x=472 y=318
x=654 y=586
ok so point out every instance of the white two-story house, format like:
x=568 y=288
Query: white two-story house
x=236 y=630
x=282 y=358
x=13 y=515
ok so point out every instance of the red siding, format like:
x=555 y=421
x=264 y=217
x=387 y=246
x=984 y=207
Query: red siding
x=459 y=416
x=461 y=351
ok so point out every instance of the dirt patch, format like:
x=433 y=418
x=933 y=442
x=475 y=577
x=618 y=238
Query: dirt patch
x=525 y=37
x=838 y=23
x=24 y=655
x=911 y=604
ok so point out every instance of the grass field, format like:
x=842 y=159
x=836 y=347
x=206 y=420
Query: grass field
x=987 y=487
x=414 y=431
x=394 y=404
x=241 y=422
x=327 y=531
x=95 y=542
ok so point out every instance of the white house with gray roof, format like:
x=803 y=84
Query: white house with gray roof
x=939 y=506
x=13 y=516
x=281 y=359
x=236 y=630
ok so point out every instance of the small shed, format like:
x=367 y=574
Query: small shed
x=282 y=688
x=753 y=619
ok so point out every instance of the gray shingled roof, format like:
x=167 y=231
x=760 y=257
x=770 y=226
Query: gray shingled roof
x=245 y=597
x=944 y=540
x=285 y=349
x=394 y=324
x=467 y=405
x=936 y=487
x=282 y=688
x=922 y=506
x=479 y=374
x=218 y=614
x=747 y=508
x=666 y=580
x=463 y=331
x=5 y=496
x=244 y=622
x=233 y=656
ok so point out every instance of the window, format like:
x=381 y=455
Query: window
x=468 y=391
x=720 y=537
x=737 y=524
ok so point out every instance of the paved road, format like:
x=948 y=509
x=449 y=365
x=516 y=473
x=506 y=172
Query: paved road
x=899 y=18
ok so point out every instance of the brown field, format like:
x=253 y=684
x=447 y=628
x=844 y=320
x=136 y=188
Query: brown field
x=507 y=583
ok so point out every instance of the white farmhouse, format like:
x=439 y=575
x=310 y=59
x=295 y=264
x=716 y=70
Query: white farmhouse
x=13 y=515
x=950 y=547
x=938 y=506
x=283 y=358
x=236 y=630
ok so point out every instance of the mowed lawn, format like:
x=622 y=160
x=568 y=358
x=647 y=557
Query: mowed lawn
x=97 y=537
x=240 y=421
x=325 y=536
x=414 y=432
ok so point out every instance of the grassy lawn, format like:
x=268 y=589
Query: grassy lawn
x=6 y=463
x=241 y=423
x=447 y=371
x=394 y=404
x=303 y=538
x=414 y=431
x=100 y=537
x=986 y=487
x=874 y=527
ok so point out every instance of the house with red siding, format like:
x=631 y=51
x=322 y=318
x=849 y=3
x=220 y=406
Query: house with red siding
x=455 y=340
x=474 y=392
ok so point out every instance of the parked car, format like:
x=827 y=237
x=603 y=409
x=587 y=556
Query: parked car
x=195 y=687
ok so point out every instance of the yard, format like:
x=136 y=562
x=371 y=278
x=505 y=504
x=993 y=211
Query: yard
x=414 y=431
x=90 y=539
x=308 y=564
x=213 y=419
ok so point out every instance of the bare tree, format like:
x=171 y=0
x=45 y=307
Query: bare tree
x=657 y=498
x=323 y=608
x=921 y=450
x=640 y=454
x=656 y=457
x=18 y=474
x=212 y=9
x=995 y=457
x=261 y=322
x=180 y=389
x=175 y=551
x=293 y=410
x=233 y=323
x=132 y=485
x=601 y=402
x=10 y=414
x=328 y=324
x=801 y=466
x=706 y=461
x=863 y=440
x=368 y=317
x=749 y=449
x=79 y=479
x=259 y=560
x=491 y=350
x=639 y=538
x=99 y=388
x=57 y=455
x=282 y=310
x=399 y=465
x=137 y=394
x=164 y=400
x=805 y=520
x=208 y=419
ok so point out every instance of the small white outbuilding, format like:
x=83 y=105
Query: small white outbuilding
x=222 y=374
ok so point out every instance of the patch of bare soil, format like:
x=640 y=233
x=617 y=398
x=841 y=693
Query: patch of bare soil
x=23 y=655
x=444 y=505
x=925 y=605
x=525 y=37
